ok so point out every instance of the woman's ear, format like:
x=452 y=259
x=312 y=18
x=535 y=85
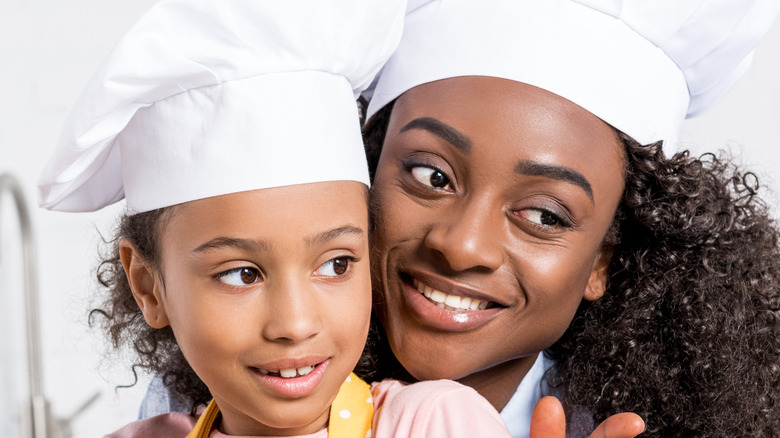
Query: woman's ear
x=144 y=283
x=597 y=283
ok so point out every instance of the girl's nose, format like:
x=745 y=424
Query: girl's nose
x=293 y=315
x=469 y=239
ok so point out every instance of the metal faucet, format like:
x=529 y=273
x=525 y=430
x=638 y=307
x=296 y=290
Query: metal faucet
x=37 y=407
x=37 y=420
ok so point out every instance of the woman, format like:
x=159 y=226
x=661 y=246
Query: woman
x=651 y=283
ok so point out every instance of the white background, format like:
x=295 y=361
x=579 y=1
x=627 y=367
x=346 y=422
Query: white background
x=48 y=50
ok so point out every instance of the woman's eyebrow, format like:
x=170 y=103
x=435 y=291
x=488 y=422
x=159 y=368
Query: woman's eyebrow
x=325 y=236
x=561 y=173
x=441 y=130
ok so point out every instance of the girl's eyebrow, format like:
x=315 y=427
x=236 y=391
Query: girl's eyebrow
x=441 y=130
x=561 y=173
x=325 y=236
x=232 y=242
x=251 y=245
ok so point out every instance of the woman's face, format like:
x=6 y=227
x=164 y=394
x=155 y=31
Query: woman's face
x=268 y=294
x=493 y=199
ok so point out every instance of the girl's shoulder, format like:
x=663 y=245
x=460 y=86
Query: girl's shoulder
x=163 y=426
x=177 y=424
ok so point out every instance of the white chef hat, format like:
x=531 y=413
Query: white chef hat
x=203 y=98
x=640 y=65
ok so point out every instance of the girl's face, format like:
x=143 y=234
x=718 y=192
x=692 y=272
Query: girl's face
x=493 y=199
x=268 y=295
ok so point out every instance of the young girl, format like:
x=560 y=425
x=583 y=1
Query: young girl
x=240 y=271
x=509 y=171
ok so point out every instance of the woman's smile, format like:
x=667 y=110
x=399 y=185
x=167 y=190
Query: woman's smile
x=451 y=302
x=441 y=304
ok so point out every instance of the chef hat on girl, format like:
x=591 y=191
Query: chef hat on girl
x=640 y=65
x=204 y=98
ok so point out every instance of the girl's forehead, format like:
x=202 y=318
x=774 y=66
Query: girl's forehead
x=282 y=214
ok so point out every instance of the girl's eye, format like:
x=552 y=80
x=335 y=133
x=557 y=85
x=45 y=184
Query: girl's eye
x=541 y=217
x=335 y=267
x=239 y=276
x=430 y=177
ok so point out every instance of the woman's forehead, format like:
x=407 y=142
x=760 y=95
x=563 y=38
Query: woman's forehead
x=478 y=105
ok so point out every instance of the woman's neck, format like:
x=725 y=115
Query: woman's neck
x=499 y=383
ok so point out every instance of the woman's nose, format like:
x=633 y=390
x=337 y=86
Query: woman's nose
x=293 y=315
x=470 y=237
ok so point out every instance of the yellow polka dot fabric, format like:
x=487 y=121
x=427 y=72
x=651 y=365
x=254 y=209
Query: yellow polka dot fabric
x=352 y=411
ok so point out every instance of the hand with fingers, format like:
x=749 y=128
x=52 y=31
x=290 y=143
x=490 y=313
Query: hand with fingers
x=549 y=421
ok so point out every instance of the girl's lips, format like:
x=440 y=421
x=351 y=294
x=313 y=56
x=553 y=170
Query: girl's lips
x=303 y=379
x=434 y=315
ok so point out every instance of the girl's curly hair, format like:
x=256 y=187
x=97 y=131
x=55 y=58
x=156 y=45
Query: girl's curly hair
x=154 y=350
x=688 y=333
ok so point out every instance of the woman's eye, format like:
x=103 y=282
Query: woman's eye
x=430 y=177
x=540 y=217
x=335 y=267
x=240 y=276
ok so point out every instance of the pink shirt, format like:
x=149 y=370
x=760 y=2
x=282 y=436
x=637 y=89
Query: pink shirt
x=431 y=409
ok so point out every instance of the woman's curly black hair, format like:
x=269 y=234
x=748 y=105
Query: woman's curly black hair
x=687 y=334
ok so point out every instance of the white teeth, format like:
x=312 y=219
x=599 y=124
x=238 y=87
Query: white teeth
x=449 y=302
x=438 y=296
x=288 y=373
x=305 y=370
x=452 y=301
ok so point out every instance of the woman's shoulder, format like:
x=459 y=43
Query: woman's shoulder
x=396 y=391
x=164 y=425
